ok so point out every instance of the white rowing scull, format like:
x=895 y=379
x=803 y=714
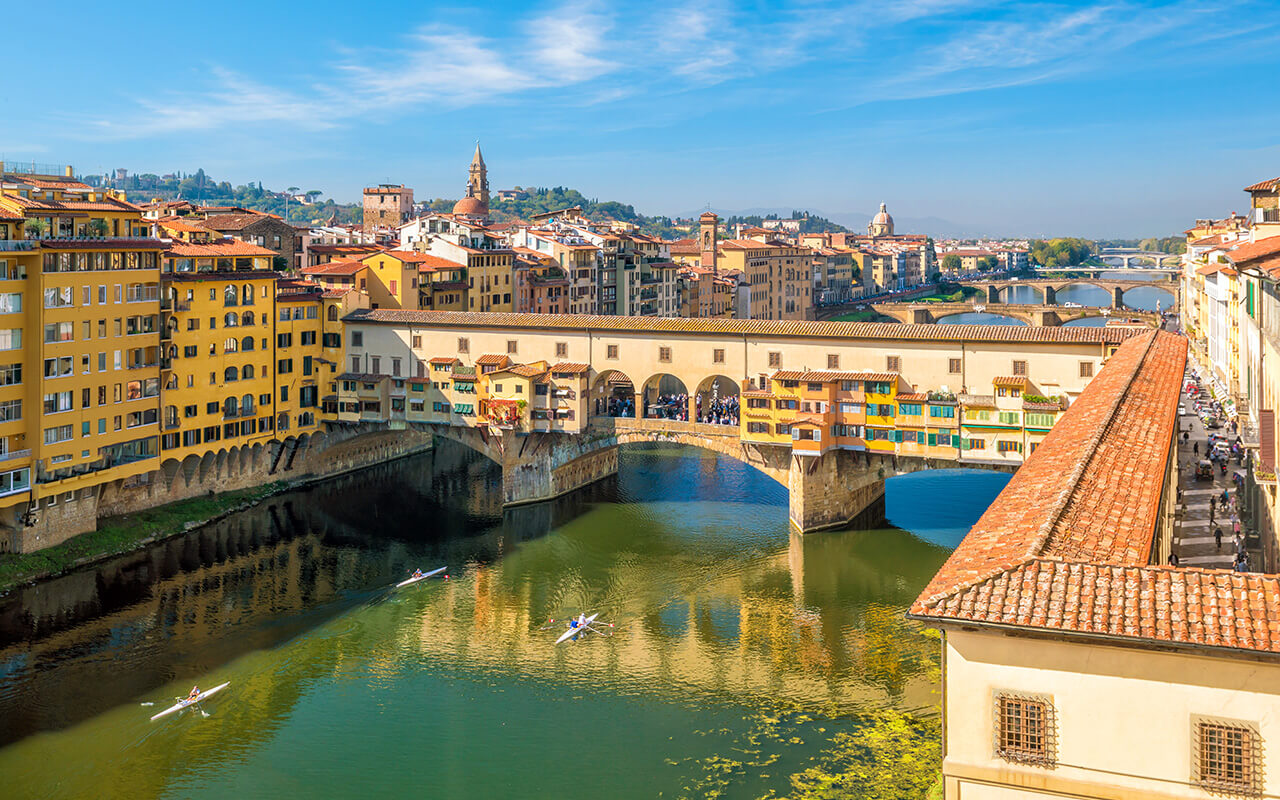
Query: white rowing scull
x=421 y=577
x=190 y=701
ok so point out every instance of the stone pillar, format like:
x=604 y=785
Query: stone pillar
x=541 y=466
x=837 y=487
x=921 y=316
x=1046 y=318
x=1050 y=296
x=1117 y=297
x=993 y=294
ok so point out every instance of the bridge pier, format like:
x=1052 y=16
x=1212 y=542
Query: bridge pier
x=1050 y=296
x=1117 y=297
x=922 y=316
x=837 y=487
x=544 y=466
x=993 y=294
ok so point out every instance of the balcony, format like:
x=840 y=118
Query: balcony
x=11 y=245
x=143 y=365
x=14 y=455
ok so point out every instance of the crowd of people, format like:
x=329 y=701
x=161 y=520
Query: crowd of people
x=719 y=411
x=616 y=406
x=669 y=406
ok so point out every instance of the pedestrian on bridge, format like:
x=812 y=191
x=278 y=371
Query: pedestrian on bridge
x=1217 y=538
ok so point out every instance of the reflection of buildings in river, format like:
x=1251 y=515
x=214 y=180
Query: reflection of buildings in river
x=738 y=635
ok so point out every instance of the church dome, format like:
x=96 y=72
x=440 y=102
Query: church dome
x=470 y=207
x=883 y=217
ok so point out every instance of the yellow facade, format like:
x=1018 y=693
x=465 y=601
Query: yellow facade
x=392 y=280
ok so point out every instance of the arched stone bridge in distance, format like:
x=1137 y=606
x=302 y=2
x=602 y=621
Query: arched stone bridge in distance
x=1049 y=287
x=1124 y=255
x=1036 y=315
x=835 y=489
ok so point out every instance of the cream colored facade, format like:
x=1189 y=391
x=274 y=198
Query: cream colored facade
x=1124 y=718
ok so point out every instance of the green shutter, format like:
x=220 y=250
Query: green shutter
x=933 y=439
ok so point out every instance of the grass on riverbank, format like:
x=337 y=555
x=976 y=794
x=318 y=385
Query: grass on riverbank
x=122 y=534
x=959 y=296
x=863 y=316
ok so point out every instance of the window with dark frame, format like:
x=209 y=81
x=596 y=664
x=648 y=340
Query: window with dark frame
x=893 y=363
x=511 y=346
x=1086 y=369
x=1024 y=729
x=717 y=356
x=464 y=345
x=775 y=360
x=1020 y=368
x=953 y=366
x=664 y=355
x=1227 y=757
x=611 y=351
x=833 y=361
x=562 y=349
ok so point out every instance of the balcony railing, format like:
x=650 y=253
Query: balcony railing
x=14 y=455
x=17 y=244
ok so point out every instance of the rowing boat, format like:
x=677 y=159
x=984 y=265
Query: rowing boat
x=421 y=577
x=190 y=701
x=581 y=627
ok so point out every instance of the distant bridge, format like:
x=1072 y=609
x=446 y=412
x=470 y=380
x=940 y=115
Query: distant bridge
x=1126 y=254
x=1036 y=315
x=1048 y=288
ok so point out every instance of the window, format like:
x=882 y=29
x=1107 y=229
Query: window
x=375 y=365
x=55 y=297
x=664 y=355
x=1009 y=418
x=58 y=401
x=307 y=337
x=59 y=332
x=1019 y=368
x=10 y=410
x=1227 y=757
x=1024 y=729
x=511 y=346
x=775 y=360
x=1086 y=369
x=910 y=409
x=357 y=339
x=286 y=339
x=1003 y=446
x=953 y=366
x=464 y=345
x=611 y=351
x=562 y=349
x=757 y=427
x=893 y=363
x=61 y=433
x=10 y=374
x=58 y=367
x=11 y=339
x=285 y=366
x=833 y=361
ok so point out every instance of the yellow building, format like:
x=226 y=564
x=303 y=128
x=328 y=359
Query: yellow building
x=80 y=391
x=393 y=278
x=779 y=274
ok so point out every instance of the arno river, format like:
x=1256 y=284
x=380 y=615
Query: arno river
x=738 y=651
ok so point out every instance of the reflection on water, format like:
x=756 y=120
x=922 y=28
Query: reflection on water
x=1086 y=322
x=721 y=615
x=978 y=318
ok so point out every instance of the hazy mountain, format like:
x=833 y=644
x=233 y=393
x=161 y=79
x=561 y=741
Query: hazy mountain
x=857 y=221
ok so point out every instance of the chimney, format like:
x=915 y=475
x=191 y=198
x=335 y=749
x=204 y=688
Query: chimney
x=68 y=172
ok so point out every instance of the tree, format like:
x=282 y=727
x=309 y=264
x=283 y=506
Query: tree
x=988 y=263
x=951 y=262
x=35 y=228
x=291 y=191
x=97 y=227
x=312 y=195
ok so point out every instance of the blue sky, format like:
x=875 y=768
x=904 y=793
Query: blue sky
x=1097 y=119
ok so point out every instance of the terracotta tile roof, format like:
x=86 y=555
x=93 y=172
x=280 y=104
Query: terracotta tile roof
x=66 y=184
x=1264 y=186
x=365 y=377
x=913 y=397
x=180 y=225
x=684 y=247
x=827 y=376
x=334 y=268
x=1024 y=334
x=1251 y=251
x=234 y=222
x=444 y=360
x=571 y=367
x=331 y=294
x=525 y=370
x=1012 y=380
x=490 y=358
x=1066 y=545
x=105 y=204
x=408 y=256
x=226 y=247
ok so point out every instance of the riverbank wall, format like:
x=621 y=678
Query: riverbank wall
x=292 y=463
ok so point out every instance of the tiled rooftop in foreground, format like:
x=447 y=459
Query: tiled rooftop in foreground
x=758 y=327
x=1066 y=546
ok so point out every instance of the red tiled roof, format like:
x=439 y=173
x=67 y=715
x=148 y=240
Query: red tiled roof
x=443 y=360
x=913 y=397
x=1066 y=545
x=181 y=225
x=226 y=247
x=335 y=268
x=568 y=366
x=234 y=222
x=829 y=376
x=490 y=358
x=1252 y=251
x=1019 y=381
x=1264 y=186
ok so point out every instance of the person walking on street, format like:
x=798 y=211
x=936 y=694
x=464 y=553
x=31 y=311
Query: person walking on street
x=1212 y=506
x=1217 y=538
x=1195 y=448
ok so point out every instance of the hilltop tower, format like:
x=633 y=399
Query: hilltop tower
x=476 y=201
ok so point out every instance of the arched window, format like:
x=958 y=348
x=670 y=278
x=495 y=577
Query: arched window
x=172 y=383
x=246 y=293
x=231 y=374
x=229 y=407
x=173 y=351
x=282 y=422
x=246 y=318
x=230 y=297
x=230 y=346
x=246 y=343
x=247 y=372
x=246 y=404
x=333 y=313
x=230 y=320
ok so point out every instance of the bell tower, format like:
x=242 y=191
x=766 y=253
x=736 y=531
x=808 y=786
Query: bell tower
x=708 y=225
x=478 y=178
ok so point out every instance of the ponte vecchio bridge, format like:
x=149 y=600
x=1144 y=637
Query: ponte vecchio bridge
x=1048 y=288
x=571 y=440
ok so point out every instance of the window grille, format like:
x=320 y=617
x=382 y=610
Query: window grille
x=1227 y=757
x=1025 y=729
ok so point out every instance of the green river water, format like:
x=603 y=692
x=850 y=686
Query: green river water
x=738 y=650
